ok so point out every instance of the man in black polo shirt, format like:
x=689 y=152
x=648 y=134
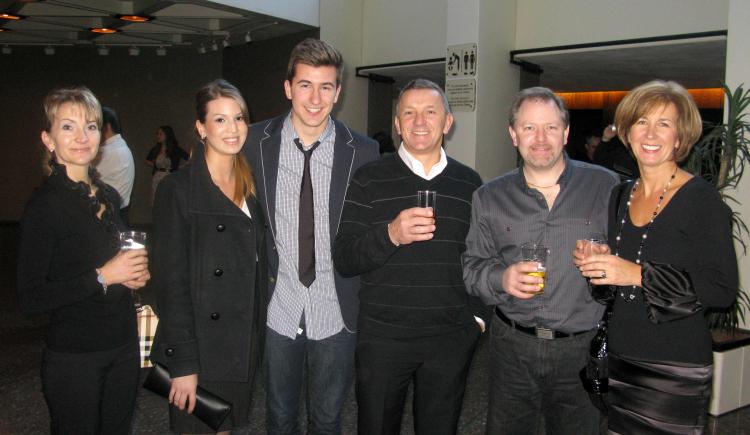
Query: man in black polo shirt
x=538 y=342
x=416 y=320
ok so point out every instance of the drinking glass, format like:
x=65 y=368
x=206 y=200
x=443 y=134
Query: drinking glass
x=426 y=198
x=538 y=253
x=133 y=240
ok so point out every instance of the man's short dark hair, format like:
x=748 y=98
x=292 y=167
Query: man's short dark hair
x=315 y=52
x=538 y=93
x=424 y=84
x=109 y=116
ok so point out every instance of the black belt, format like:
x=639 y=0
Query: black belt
x=162 y=170
x=535 y=331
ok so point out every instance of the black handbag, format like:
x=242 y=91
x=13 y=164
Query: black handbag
x=594 y=375
x=209 y=408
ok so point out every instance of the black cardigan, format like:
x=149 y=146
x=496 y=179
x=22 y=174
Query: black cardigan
x=62 y=243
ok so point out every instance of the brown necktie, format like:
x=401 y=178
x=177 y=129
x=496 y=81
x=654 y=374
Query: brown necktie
x=306 y=229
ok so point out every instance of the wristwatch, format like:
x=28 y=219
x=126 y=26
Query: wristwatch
x=100 y=280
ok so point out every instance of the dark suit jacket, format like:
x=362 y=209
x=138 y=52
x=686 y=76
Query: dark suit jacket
x=209 y=272
x=351 y=150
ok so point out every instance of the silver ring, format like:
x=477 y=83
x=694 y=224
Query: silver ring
x=604 y=274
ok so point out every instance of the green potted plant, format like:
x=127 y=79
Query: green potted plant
x=720 y=157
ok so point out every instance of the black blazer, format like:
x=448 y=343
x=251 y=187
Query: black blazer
x=209 y=272
x=351 y=150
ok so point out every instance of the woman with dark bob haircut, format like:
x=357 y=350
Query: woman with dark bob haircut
x=210 y=267
x=672 y=256
x=70 y=265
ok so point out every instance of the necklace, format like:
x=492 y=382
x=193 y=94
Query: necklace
x=628 y=294
x=539 y=186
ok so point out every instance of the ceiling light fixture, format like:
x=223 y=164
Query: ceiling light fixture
x=214 y=46
x=103 y=51
x=134 y=18
x=6 y=16
x=248 y=38
x=7 y=50
x=201 y=49
x=103 y=30
x=49 y=50
x=161 y=51
x=134 y=51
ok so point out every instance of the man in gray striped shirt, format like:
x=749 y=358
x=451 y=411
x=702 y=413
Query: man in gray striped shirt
x=312 y=320
x=539 y=341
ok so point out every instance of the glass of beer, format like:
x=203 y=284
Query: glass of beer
x=133 y=240
x=536 y=252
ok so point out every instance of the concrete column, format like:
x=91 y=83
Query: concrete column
x=737 y=73
x=480 y=138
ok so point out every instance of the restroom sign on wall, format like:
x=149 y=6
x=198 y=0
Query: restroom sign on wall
x=461 y=61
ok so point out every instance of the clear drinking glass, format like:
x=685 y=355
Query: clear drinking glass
x=538 y=253
x=134 y=240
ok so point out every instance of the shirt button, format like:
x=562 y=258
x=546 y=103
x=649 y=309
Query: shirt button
x=169 y=352
x=220 y=228
x=215 y=316
x=272 y=279
x=218 y=272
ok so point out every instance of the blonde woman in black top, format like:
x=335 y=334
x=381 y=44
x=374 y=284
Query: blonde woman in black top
x=70 y=266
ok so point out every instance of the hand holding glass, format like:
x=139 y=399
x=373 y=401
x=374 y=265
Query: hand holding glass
x=535 y=252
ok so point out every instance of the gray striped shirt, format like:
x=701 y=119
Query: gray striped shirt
x=290 y=298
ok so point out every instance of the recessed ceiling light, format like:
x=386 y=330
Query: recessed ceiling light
x=201 y=49
x=161 y=51
x=6 y=16
x=214 y=46
x=248 y=38
x=103 y=51
x=7 y=50
x=134 y=18
x=134 y=51
x=105 y=30
x=49 y=50
x=4 y=30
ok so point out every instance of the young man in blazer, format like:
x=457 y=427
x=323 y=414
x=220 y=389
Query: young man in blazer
x=312 y=315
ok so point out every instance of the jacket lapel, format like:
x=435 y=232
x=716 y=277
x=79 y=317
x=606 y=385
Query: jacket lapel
x=343 y=158
x=270 y=147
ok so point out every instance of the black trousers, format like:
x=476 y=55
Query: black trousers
x=437 y=365
x=93 y=392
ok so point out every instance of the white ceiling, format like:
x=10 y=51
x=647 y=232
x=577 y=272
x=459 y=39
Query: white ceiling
x=695 y=63
x=175 y=23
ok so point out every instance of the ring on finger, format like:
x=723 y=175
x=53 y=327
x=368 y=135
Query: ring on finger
x=604 y=274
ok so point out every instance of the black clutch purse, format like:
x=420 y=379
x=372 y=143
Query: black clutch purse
x=209 y=408
x=594 y=375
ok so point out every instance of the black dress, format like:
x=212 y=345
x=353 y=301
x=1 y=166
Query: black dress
x=660 y=346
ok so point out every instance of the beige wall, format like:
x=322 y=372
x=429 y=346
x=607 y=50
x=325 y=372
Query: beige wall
x=402 y=30
x=738 y=72
x=545 y=23
x=340 y=25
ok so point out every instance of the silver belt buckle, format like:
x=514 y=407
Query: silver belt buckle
x=544 y=333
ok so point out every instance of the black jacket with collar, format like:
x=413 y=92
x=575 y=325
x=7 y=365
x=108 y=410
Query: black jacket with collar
x=209 y=272
x=351 y=150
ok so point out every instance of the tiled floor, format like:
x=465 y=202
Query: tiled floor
x=22 y=408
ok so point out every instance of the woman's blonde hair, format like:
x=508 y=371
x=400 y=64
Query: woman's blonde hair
x=80 y=96
x=244 y=183
x=655 y=94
